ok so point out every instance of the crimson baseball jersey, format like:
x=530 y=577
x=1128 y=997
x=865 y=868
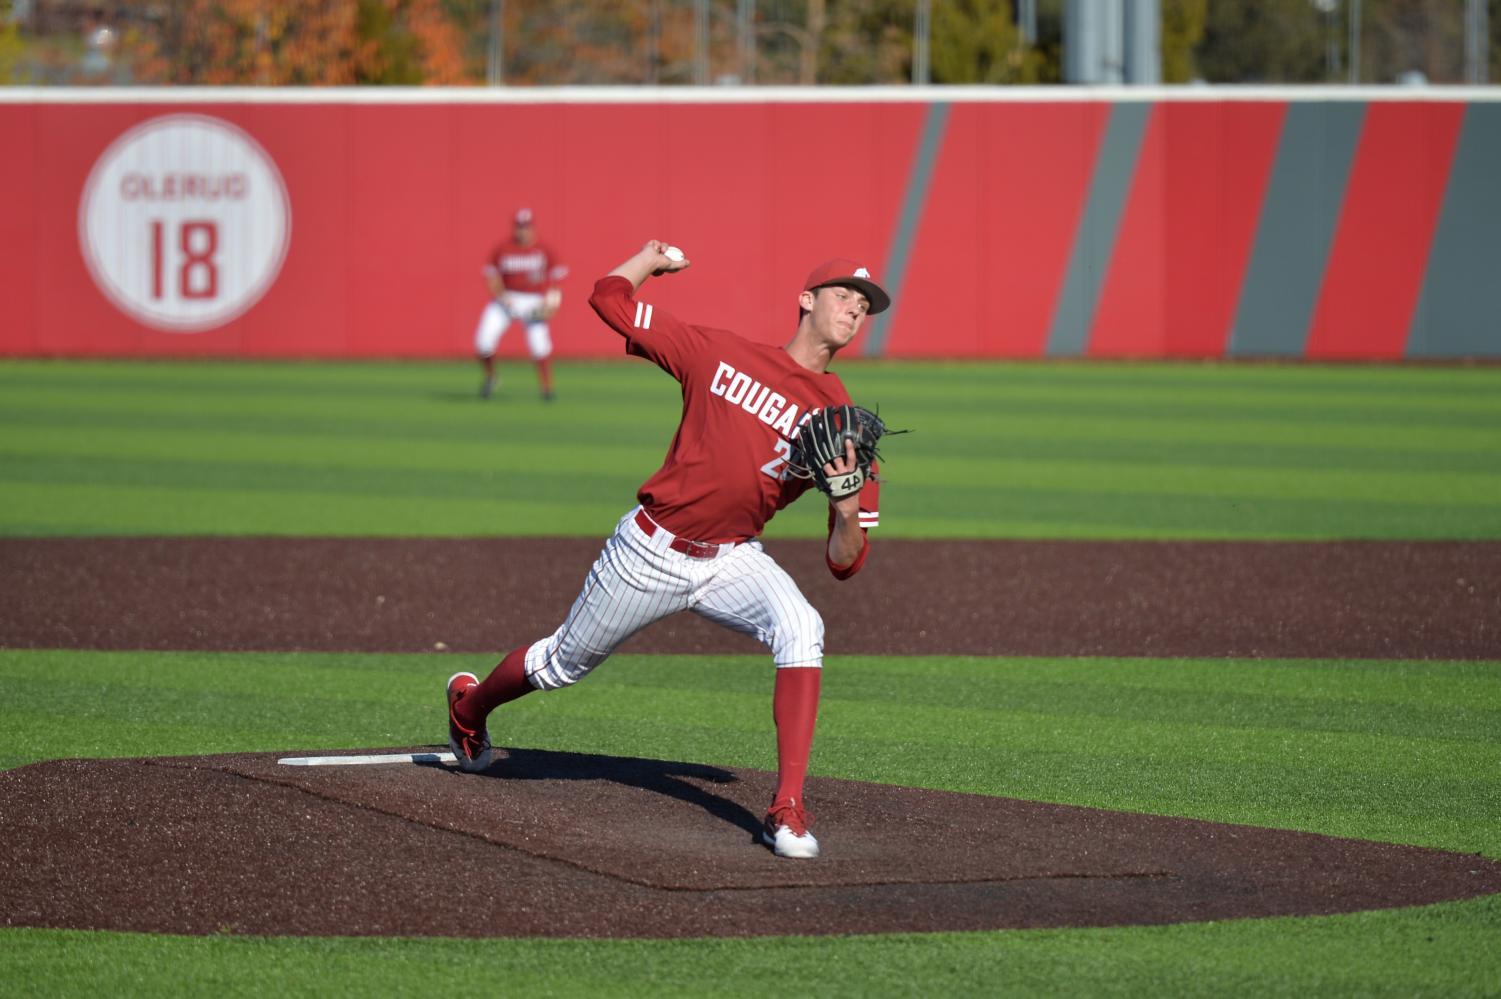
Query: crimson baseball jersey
x=726 y=472
x=532 y=268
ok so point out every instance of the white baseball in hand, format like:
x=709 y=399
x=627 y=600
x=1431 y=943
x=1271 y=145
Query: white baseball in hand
x=674 y=254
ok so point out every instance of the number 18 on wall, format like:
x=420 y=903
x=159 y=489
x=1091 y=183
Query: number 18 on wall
x=192 y=272
x=184 y=222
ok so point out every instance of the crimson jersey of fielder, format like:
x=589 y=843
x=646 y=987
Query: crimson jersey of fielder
x=533 y=268
x=726 y=473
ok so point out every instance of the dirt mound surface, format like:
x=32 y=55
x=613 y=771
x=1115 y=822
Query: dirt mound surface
x=568 y=845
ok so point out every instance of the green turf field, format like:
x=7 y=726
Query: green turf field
x=1398 y=751
x=1000 y=451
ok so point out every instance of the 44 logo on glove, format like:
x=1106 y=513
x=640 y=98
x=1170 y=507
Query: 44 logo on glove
x=841 y=486
x=823 y=439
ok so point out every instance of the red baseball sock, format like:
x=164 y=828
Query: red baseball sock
x=794 y=707
x=506 y=682
x=544 y=374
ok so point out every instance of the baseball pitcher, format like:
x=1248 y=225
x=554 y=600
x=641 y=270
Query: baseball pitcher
x=760 y=425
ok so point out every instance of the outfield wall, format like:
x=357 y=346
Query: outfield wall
x=1015 y=222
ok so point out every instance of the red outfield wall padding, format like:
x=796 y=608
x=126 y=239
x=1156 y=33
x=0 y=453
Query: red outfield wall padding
x=1385 y=229
x=391 y=208
x=1187 y=230
x=990 y=252
x=19 y=239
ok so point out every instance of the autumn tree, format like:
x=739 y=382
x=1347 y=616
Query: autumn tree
x=607 y=42
x=11 y=50
x=867 y=41
x=975 y=41
x=971 y=41
x=229 y=42
x=1273 y=41
x=1401 y=36
x=1183 y=23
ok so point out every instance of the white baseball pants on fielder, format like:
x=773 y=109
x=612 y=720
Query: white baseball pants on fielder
x=639 y=579
x=498 y=316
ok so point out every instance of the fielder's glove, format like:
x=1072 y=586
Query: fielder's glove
x=821 y=439
x=550 y=303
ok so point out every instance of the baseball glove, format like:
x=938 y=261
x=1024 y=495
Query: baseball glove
x=821 y=439
x=549 y=307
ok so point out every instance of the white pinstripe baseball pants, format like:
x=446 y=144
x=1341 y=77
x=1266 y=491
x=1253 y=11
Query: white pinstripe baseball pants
x=638 y=579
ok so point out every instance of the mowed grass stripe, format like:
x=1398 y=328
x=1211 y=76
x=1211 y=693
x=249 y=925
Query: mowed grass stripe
x=1018 y=404
x=1421 y=700
x=1440 y=951
x=420 y=428
x=1371 y=386
x=193 y=446
x=1263 y=447
x=1046 y=514
x=1147 y=497
x=1109 y=463
x=1000 y=450
x=1342 y=414
x=1282 y=743
x=403 y=382
x=1025 y=405
x=1394 y=393
x=1298 y=378
x=1252 y=454
x=1291 y=432
x=199 y=454
x=1114 y=478
x=290 y=415
x=115 y=510
x=492 y=487
x=569 y=506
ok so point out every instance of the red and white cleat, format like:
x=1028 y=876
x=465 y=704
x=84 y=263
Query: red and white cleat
x=786 y=830
x=471 y=747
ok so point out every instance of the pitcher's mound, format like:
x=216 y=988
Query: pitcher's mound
x=569 y=845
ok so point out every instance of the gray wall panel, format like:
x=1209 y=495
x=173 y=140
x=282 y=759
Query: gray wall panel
x=914 y=199
x=1298 y=217
x=1459 y=308
x=1094 y=240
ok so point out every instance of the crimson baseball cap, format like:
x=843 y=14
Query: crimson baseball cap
x=523 y=216
x=849 y=273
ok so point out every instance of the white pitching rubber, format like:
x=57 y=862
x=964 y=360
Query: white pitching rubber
x=346 y=761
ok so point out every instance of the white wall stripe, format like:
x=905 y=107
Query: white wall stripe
x=978 y=94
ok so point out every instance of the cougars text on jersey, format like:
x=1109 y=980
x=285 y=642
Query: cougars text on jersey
x=740 y=389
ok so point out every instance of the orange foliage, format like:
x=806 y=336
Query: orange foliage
x=265 y=43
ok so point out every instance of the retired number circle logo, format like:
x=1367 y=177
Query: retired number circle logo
x=184 y=222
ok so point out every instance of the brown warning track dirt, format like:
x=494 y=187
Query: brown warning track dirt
x=1422 y=600
x=560 y=844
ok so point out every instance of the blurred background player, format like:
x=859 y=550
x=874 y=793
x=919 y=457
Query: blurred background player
x=522 y=275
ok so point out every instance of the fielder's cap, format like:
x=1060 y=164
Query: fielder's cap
x=846 y=272
x=523 y=216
